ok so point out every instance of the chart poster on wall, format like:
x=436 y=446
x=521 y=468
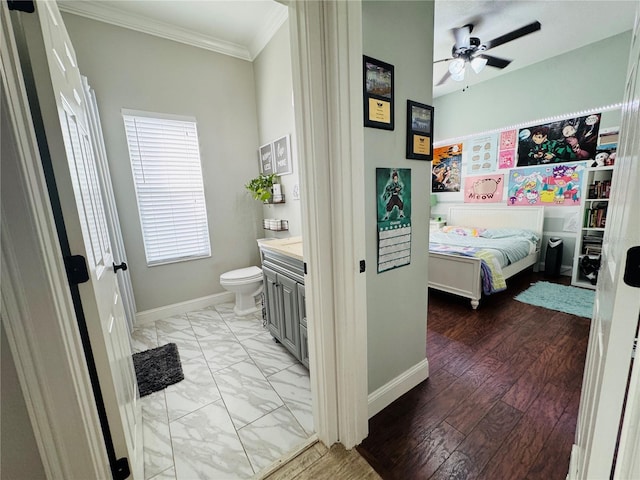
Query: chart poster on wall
x=507 y=158
x=393 y=206
x=446 y=168
x=568 y=140
x=549 y=185
x=282 y=155
x=484 y=189
x=483 y=154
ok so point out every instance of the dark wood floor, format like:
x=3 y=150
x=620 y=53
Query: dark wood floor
x=501 y=401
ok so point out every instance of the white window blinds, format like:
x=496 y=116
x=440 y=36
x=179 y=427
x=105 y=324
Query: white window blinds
x=165 y=160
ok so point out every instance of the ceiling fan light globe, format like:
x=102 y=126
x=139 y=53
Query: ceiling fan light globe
x=456 y=67
x=459 y=76
x=478 y=64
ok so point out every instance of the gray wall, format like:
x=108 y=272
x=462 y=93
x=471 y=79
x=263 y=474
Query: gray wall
x=589 y=77
x=399 y=33
x=133 y=70
x=19 y=455
x=274 y=97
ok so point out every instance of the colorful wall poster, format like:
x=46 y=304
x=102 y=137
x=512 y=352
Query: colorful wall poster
x=446 y=168
x=567 y=140
x=393 y=206
x=507 y=159
x=507 y=140
x=548 y=185
x=484 y=189
x=483 y=153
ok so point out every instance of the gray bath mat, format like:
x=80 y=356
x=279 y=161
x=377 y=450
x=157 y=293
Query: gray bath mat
x=157 y=368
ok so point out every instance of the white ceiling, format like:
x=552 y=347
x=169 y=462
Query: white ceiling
x=241 y=28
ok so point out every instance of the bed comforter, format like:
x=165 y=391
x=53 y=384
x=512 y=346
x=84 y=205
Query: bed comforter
x=495 y=251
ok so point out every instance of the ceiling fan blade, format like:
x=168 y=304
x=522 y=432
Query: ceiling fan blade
x=443 y=60
x=495 y=61
x=444 y=78
x=507 y=37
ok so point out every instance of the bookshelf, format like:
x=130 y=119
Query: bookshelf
x=593 y=214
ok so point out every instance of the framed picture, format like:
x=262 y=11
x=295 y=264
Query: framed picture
x=282 y=156
x=265 y=153
x=378 y=93
x=419 y=131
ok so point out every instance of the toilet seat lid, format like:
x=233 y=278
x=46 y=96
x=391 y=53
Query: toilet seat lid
x=242 y=274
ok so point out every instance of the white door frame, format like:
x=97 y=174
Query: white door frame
x=38 y=313
x=326 y=42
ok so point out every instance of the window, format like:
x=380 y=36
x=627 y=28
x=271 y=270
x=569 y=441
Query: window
x=165 y=160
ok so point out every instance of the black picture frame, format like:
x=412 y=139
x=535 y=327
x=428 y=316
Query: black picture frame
x=419 y=131
x=377 y=79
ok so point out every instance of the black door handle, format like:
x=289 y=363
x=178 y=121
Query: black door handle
x=122 y=266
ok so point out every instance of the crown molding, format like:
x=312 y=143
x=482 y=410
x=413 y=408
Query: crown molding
x=265 y=34
x=103 y=13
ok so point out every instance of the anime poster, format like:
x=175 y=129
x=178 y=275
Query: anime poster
x=508 y=140
x=446 y=167
x=548 y=185
x=569 y=140
x=483 y=154
x=507 y=159
x=393 y=206
x=483 y=189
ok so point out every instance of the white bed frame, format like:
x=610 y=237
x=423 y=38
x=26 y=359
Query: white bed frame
x=461 y=275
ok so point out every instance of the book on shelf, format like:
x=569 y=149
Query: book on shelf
x=596 y=215
x=599 y=189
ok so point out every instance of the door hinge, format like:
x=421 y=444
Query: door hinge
x=635 y=347
x=77 y=271
x=363 y=266
x=632 y=267
x=21 y=6
x=305 y=267
x=122 y=469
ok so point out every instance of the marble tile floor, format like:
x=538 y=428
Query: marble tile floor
x=244 y=402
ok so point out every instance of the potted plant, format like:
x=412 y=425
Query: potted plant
x=261 y=186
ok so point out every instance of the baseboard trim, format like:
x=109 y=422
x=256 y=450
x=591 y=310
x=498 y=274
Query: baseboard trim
x=148 y=316
x=397 y=387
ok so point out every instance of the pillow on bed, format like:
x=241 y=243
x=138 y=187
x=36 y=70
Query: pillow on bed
x=464 y=231
x=509 y=232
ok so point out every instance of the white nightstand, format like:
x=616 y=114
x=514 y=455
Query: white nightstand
x=435 y=225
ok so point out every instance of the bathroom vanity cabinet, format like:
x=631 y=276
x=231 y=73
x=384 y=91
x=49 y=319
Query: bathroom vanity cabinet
x=285 y=301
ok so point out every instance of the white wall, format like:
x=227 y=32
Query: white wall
x=133 y=70
x=399 y=33
x=589 y=77
x=274 y=97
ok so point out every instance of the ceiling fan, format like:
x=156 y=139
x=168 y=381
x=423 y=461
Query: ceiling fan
x=468 y=49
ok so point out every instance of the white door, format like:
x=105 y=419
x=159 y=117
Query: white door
x=63 y=106
x=617 y=305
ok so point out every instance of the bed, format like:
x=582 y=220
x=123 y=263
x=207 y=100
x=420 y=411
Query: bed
x=461 y=274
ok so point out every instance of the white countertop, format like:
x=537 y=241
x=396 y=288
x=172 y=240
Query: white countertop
x=292 y=246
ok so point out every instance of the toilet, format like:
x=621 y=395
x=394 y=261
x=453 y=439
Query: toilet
x=246 y=283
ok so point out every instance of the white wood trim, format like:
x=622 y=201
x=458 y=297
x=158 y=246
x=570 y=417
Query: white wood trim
x=307 y=67
x=397 y=387
x=149 y=316
x=107 y=14
x=41 y=329
x=343 y=34
x=326 y=41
